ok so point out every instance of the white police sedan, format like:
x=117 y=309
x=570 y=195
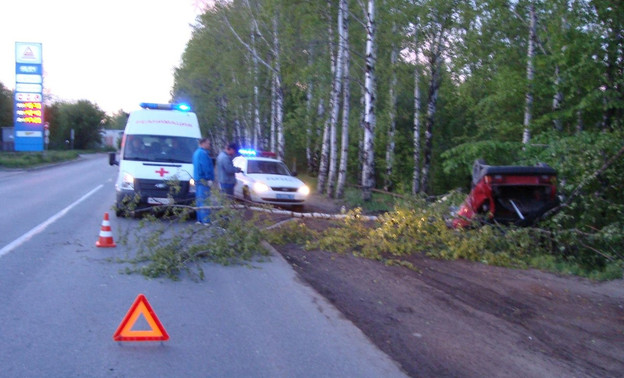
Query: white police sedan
x=268 y=180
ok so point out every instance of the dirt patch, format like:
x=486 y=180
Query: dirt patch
x=457 y=318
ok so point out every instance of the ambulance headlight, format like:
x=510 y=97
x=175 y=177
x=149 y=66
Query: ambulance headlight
x=127 y=182
x=260 y=187
x=303 y=190
x=191 y=186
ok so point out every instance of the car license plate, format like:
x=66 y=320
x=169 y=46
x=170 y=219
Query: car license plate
x=284 y=196
x=158 y=201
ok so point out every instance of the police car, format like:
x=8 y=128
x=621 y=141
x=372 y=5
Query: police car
x=265 y=179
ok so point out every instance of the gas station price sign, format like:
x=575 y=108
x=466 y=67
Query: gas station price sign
x=28 y=100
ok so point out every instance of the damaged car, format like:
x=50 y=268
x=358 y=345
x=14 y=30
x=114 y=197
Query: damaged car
x=518 y=195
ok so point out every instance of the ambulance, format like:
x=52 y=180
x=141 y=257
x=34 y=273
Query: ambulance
x=156 y=158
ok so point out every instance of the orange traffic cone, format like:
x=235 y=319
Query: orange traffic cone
x=106 y=236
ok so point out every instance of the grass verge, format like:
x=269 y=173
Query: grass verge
x=23 y=160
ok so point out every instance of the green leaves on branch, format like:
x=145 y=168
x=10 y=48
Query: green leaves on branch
x=171 y=244
x=421 y=229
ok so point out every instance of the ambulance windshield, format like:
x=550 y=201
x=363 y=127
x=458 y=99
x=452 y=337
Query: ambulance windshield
x=160 y=148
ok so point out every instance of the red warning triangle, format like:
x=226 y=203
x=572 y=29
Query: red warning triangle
x=140 y=307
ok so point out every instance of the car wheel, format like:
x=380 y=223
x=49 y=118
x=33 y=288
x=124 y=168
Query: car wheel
x=246 y=194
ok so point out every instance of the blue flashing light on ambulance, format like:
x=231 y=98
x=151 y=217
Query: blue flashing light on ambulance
x=156 y=158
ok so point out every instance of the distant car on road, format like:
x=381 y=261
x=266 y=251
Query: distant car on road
x=509 y=194
x=267 y=180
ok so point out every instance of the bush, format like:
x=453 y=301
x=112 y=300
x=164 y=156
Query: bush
x=33 y=159
x=420 y=227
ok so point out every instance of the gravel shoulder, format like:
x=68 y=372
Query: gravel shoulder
x=458 y=318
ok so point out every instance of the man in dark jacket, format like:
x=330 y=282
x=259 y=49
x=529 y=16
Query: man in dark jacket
x=226 y=170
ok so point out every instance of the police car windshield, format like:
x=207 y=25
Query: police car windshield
x=159 y=148
x=267 y=167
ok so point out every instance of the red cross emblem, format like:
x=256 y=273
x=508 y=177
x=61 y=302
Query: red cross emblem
x=161 y=172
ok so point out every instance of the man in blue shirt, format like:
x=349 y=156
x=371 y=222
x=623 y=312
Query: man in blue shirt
x=226 y=170
x=203 y=174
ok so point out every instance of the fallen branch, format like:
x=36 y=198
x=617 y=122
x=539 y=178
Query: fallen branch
x=292 y=214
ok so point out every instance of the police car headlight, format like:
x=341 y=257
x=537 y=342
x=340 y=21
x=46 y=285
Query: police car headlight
x=303 y=190
x=260 y=187
x=127 y=182
x=191 y=186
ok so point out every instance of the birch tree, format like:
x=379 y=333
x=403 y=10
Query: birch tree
x=417 y=150
x=346 y=99
x=528 y=105
x=392 y=99
x=370 y=94
x=335 y=103
x=274 y=67
x=436 y=32
x=256 y=104
x=325 y=145
x=279 y=91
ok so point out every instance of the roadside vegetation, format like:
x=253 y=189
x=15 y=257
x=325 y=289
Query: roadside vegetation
x=420 y=227
x=584 y=236
x=24 y=160
x=169 y=243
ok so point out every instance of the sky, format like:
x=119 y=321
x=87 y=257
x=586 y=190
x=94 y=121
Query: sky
x=114 y=53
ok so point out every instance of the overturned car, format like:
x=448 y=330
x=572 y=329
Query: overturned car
x=517 y=195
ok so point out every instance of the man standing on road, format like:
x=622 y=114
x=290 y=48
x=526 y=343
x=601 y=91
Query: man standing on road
x=226 y=170
x=203 y=174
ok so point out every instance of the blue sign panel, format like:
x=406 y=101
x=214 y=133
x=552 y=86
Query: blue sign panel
x=33 y=69
x=28 y=100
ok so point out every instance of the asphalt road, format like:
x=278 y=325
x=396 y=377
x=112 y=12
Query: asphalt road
x=62 y=299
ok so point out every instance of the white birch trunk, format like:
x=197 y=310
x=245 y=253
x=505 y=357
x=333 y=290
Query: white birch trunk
x=335 y=104
x=346 y=99
x=557 y=100
x=316 y=151
x=435 y=64
x=273 y=114
x=322 y=176
x=325 y=147
x=256 y=104
x=308 y=119
x=368 y=170
x=279 y=95
x=528 y=106
x=416 y=173
x=392 y=114
x=275 y=69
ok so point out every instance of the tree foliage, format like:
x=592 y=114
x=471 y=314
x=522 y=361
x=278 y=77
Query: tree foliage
x=84 y=117
x=470 y=59
x=117 y=121
x=6 y=106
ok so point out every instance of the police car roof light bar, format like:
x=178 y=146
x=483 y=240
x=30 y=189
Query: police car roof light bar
x=247 y=152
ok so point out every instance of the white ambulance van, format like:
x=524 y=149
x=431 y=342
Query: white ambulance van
x=156 y=158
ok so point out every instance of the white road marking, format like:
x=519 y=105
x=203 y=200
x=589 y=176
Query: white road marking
x=27 y=236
